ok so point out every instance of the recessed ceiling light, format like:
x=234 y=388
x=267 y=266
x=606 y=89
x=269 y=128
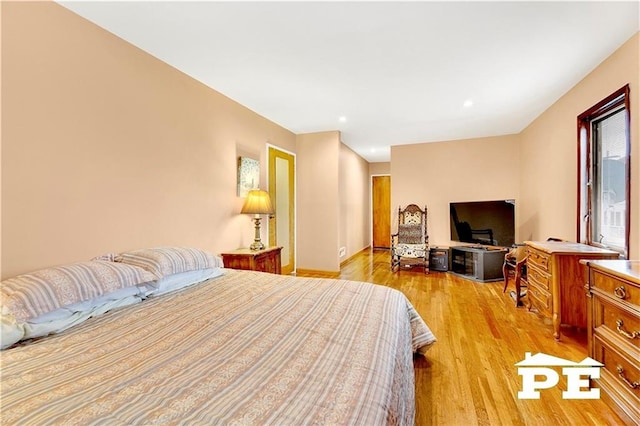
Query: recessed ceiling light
x=342 y=118
x=468 y=103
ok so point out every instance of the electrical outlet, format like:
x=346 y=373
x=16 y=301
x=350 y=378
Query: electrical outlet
x=342 y=252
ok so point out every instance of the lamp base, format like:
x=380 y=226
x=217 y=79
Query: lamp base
x=257 y=243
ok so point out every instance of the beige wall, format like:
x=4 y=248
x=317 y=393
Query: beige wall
x=318 y=192
x=379 y=168
x=354 y=202
x=548 y=177
x=435 y=174
x=105 y=148
x=537 y=167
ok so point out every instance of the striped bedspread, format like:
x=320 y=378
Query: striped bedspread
x=247 y=348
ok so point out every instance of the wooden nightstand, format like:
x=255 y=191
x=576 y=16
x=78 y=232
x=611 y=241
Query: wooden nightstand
x=267 y=260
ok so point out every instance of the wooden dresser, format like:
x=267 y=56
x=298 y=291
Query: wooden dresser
x=266 y=260
x=614 y=332
x=556 y=280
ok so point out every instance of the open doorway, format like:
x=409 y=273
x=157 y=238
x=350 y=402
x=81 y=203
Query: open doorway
x=282 y=192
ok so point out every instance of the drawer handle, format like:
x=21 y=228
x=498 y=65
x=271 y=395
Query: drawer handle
x=629 y=383
x=620 y=292
x=624 y=332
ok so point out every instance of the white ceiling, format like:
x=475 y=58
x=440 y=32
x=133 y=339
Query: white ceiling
x=399 y=72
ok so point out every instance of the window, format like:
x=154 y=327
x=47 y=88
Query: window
x=604 y=173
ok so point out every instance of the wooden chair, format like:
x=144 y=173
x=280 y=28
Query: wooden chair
x=410 y=245
x=515 y=265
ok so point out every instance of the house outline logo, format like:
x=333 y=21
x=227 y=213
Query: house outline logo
x=537 y=365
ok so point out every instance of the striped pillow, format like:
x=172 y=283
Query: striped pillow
x=30 y=295
x=164 y=261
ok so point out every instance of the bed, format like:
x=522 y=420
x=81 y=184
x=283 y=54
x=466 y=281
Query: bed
x=237 y=348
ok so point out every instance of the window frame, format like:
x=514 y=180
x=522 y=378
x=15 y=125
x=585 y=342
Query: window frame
x=610 y=104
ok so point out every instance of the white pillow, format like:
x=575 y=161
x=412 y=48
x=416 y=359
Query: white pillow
x=185 y=279
x=10 y=330
x=13 y=331
x=141 y=291
x=45 y=328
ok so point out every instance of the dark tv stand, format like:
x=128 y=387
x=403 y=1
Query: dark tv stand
x=479 y=263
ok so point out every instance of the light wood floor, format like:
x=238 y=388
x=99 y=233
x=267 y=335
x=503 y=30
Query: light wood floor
x=469 y=377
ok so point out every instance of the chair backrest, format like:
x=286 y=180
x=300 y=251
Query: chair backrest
x=412 y=225
x=519 y=253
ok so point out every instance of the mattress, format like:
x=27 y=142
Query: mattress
x=246 y=348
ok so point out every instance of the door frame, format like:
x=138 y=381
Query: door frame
x=371 y=206
x=295 y=199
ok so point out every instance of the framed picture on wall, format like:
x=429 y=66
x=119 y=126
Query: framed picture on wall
x=248 y=175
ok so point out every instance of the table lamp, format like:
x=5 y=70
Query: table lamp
x=257 y=203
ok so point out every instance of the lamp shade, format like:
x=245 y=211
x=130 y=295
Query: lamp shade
x=257 y=202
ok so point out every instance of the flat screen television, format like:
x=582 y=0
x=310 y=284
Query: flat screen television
x=483 y=222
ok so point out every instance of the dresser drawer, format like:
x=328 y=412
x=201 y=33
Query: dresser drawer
x=625 y=326
x=540 y=298
x=538 y=259
x=624 y=373
x=614 y=325
x=538 y=278
x=615 y=287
